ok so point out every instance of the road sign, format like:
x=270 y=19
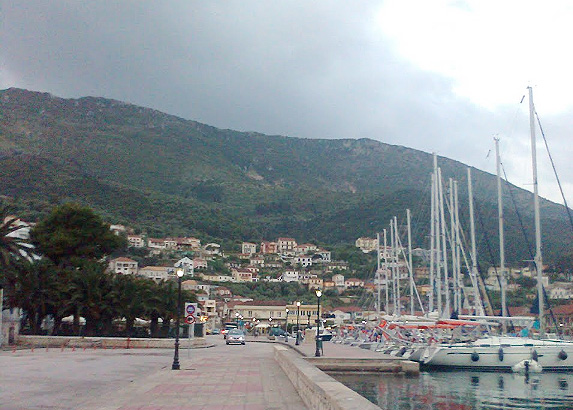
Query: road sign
x=190 y=320
x=190 y=309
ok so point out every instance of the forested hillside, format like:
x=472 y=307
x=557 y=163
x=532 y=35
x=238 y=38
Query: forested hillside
x=169 y=176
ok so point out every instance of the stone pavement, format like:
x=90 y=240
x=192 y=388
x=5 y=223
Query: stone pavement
x=226 y=378
x=220 y=377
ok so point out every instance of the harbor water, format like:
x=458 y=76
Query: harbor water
x=464 y=390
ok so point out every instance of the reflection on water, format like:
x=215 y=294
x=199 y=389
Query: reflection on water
x=464 y=390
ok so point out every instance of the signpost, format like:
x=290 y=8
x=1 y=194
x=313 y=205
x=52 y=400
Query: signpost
x=191 y=314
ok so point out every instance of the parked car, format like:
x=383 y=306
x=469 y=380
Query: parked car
x=276 y=332
x=216 y=331
x=235 y=336
x=228 y=326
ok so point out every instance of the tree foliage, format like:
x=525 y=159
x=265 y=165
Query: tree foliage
x=72 y=233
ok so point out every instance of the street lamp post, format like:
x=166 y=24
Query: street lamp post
x=297 y=342
x=286 y=324
x=175 y=365
x=308 y=319
x=317 y=352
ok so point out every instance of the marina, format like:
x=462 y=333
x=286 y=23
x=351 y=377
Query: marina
x=464 y=390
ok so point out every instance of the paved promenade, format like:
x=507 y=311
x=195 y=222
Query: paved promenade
x=216 y=378
x=221 y=377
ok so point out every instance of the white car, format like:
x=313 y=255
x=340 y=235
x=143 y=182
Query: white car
x=235 y=336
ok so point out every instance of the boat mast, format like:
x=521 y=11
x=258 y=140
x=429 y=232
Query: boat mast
x=474 y=273
x=538 y=258
x=432 y=245
x=437 y=177
x=503 y=278
x=397 y=267
x=459 y=283
x=386 y=270
x=444 y=249
x=378 y=308
x=393 y=265
x=410 y=267
x=452 y=239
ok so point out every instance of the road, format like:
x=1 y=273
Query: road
x=220 y=377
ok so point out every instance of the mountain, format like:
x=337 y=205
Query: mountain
x=170 y=176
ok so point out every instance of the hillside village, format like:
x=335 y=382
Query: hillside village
x=285 y=260
x=207 y=267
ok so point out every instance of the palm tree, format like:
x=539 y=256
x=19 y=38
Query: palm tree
x=90 y=291
x=129 y=298
x=12 y=247
x=34 y=287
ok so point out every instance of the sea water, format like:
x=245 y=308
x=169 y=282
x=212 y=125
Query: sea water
x=464 y=390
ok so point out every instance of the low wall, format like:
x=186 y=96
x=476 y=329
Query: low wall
x=317 y=389
x=365 y=365
x=106 y=342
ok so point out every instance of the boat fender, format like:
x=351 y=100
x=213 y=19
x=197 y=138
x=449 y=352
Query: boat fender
x=562 y=355
x=500 y=354
x=475 y=357
x=534 y=355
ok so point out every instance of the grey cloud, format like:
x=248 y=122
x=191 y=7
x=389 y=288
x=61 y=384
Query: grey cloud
x=304 y=69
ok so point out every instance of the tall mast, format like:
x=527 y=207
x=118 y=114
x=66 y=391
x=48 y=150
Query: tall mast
x=437 y=222
x=452 y=239
x=378 y=274
x=538 y=258
x=501 y=236
x=393 y=265
x=474 y=274
x=432 y=244
x=411 y=268
x=444 y=249
x=396 y=259
x=459 y=283
x=386 y=271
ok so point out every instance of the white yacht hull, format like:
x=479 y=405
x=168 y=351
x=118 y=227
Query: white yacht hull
x=501 y=353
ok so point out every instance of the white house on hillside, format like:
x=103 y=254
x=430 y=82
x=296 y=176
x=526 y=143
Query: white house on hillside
x=248 y=248
x=290 y=275
x=123 y=266
x=157 y=273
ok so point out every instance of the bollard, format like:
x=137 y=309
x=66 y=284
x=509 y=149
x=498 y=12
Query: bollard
x=127 y=343
x=13 y=349
x=73 y=348
x=32 y=348
x=62 y=348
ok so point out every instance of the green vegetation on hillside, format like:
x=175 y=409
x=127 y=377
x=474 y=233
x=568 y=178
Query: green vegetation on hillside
x=168 y=176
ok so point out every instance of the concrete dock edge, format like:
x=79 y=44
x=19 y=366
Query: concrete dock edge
x=317 y=389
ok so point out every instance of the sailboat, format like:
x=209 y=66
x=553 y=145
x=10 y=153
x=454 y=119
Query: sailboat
x=510 y=353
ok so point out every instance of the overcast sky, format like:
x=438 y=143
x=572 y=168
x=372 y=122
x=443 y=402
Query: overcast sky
x=439 y=76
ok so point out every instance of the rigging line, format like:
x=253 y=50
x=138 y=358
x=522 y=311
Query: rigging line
x=518 y=214
x=555 y=171
x=488 y=246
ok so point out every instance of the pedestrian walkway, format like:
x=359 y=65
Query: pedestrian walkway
x=218 y=378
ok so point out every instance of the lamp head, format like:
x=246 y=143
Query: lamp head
x=180 y=273
x=298 y=304
x=318 y=293
x=287 y=310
